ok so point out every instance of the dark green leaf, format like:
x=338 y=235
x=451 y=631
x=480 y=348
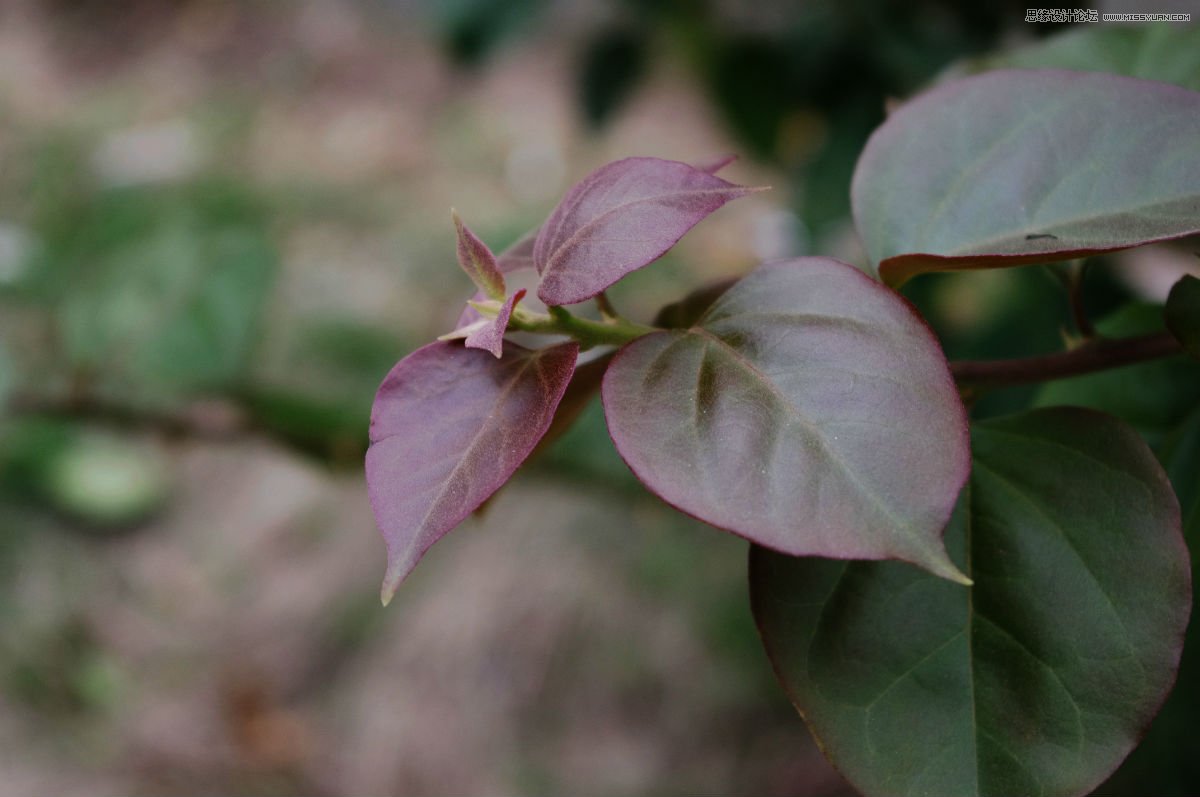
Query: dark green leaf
x=1039 y=679
x=808 y=410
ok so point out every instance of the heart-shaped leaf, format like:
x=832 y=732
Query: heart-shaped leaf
x=620 y=218
x=1040 y=678
x=1183 y=314
x=450 y=425
x=809 y=410
x=1014 y=167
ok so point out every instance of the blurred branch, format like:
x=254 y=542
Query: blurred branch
x=216 y=419
x=1096 y=355
x=212 y=419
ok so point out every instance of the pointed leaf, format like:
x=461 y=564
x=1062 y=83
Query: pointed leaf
x=518 y=257
x=1039 y=679
x=490 y=337
x=1015 y=167
x=450 y=425
x=620 y=218
x=809 y=410
x=478 y=261
x=1183 y=314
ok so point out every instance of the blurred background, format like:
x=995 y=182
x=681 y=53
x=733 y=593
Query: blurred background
x=221 y=223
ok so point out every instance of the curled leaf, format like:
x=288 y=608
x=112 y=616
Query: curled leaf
x=490 y=336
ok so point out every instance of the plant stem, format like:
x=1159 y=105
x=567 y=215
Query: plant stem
x=1096 y=355
x=613 y=332
x=1075 y=277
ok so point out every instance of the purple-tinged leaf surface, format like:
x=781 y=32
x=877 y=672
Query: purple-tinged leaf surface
x=1183 y=314
x=518 y=257
x=1040 y=678
x=1028 y=166
x=620 y=218
x=490 y=337
x=809 y=410
x=450 y=425
x=478 y=261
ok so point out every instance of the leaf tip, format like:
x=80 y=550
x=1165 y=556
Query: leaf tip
x=391 y=581
x=942 y=566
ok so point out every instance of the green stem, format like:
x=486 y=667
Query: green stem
x=613 y=332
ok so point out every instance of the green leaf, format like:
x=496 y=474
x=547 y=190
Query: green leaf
x=1169 y=53
x=1183 y=314
x=1038 y=680
x=1015 y=167
x=1180 y=455
x=808 y=409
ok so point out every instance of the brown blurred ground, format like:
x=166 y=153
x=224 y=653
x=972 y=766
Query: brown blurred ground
x=581 y=638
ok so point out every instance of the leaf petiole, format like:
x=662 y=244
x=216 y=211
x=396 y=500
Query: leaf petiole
x=588 y=333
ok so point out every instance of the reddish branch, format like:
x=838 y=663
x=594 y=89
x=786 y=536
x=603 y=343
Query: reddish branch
x=1096 y=355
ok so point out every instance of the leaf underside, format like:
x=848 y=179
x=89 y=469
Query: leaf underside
x=1039 y=679
x=450 y=425
x=809 y=410
x=1028 y=166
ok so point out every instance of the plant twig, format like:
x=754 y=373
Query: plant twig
x=1096 y=355
x=215 y=420
x=607 y=311
x=1075 y=277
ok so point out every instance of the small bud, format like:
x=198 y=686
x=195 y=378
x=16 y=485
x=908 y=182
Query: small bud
x=478 y=261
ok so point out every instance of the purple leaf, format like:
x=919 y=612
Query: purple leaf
x=809 y=410
x=620 y=218
x=1023 y=166
x=517 y=257
x=491 y=337
x=450 y=425
x=478 y=261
